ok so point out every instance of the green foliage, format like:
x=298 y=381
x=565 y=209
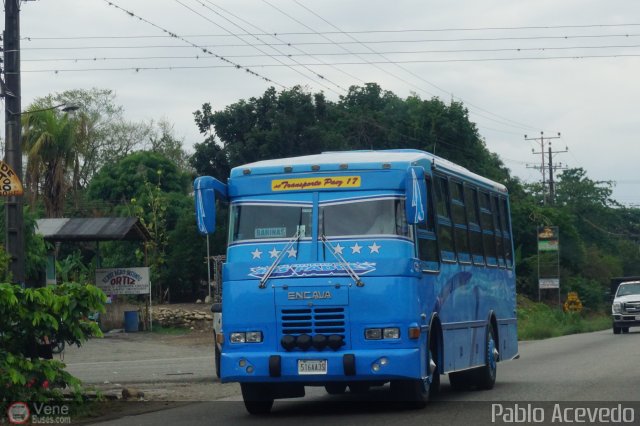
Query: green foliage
x=32 y=315
x=124 y=180
x=49 y=144
x=540 y=321
x=73 y=269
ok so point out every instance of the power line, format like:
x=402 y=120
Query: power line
x=390 y=41
x=314 y=55
x=450 y=60
x=275 y=36
x=259 y=49
x=203 y=49
x=417 y=30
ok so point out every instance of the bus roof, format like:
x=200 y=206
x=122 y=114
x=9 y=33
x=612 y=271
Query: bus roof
x=359 y=160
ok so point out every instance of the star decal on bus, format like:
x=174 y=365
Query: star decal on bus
x=338 y=249
x=274 y=253
x=256 y=254
x=292 y=252
x=356 y=248
x=375 y=248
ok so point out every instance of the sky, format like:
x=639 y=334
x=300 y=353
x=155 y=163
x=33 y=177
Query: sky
x=521 y=67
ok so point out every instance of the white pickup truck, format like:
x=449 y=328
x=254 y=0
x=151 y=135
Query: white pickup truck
x=625 y=309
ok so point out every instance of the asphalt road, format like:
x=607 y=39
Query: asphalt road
x=559 y=379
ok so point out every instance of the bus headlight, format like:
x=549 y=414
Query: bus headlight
x=382 y=333
x=238 y=338
x=391 y=333
x=254 y=336
x=246 y=337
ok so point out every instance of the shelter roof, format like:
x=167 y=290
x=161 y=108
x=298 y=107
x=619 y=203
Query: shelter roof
x=92 y=229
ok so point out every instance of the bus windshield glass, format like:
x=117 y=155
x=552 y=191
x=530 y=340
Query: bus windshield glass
x=267 y=221
x=383 y=216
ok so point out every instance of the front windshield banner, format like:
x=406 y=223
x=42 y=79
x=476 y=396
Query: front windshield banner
x=328 y=182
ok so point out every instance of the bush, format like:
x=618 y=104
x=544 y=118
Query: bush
x=540 y=321
x=28 y=317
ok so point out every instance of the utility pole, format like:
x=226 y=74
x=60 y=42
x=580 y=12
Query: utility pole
x=553 y=168
x=14 y=223
x=542 y=139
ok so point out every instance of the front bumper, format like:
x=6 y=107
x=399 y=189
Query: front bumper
x=626 y=320
x=341 y=366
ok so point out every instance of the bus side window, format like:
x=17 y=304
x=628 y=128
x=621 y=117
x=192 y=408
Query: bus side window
x=460 y=233
x=486 y=222
x=427 y=242
x=445 y=231
x=497 y=220
x=506 y=232
x=475 y=233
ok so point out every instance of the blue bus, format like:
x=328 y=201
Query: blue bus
x=360 y=268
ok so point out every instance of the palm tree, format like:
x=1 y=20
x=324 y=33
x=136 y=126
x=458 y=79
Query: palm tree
x=48 y=142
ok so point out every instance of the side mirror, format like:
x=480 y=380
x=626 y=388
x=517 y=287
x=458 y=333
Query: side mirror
x=216 y=308
x=205 y=188
x=416 y=195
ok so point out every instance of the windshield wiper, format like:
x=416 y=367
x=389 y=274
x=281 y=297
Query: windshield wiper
x=276 y=262
x=342 y=261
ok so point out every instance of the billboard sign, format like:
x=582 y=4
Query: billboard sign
x=548 y=238
x=123 y=280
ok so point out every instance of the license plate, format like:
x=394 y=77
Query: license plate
x=312 y=366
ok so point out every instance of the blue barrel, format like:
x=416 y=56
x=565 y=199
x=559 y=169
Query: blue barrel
x=131 y=321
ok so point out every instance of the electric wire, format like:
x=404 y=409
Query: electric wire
x=275 y=36
x=508 y=122
x=259 y=49
x=203 y=49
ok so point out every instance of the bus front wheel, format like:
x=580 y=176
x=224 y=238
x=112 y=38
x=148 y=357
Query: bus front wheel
x=486 y=376
x=257 y=397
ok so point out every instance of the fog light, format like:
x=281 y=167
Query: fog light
x=319 y=341
x=304 y=341
x=242 y=362
x=383 y=361
x=288 y=342
x=391 y=333
x=375 y=367
x=250 y=369
x=238 y=338
x=336 y=341
x=373 y=333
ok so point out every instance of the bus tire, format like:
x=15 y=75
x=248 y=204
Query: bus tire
x=485 y=377
x=257 y=397
x=335 y=388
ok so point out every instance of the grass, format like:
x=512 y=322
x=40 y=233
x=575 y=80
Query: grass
x=172 y=331
x=540 y=321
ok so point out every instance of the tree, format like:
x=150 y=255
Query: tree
x=49 y=144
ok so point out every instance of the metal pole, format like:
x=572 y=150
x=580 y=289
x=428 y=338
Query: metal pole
x=14 y=238
x=208 y=268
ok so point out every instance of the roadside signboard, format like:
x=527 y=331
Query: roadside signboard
x=124 y=280
x=549 y=283
x=548 y=238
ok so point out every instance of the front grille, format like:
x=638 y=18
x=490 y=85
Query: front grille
x=313 y=321
x=631 y=307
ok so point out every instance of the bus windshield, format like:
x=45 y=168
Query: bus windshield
x=364 y=217
x=267 y=221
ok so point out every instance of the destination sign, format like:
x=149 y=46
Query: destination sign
x=329 y=182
